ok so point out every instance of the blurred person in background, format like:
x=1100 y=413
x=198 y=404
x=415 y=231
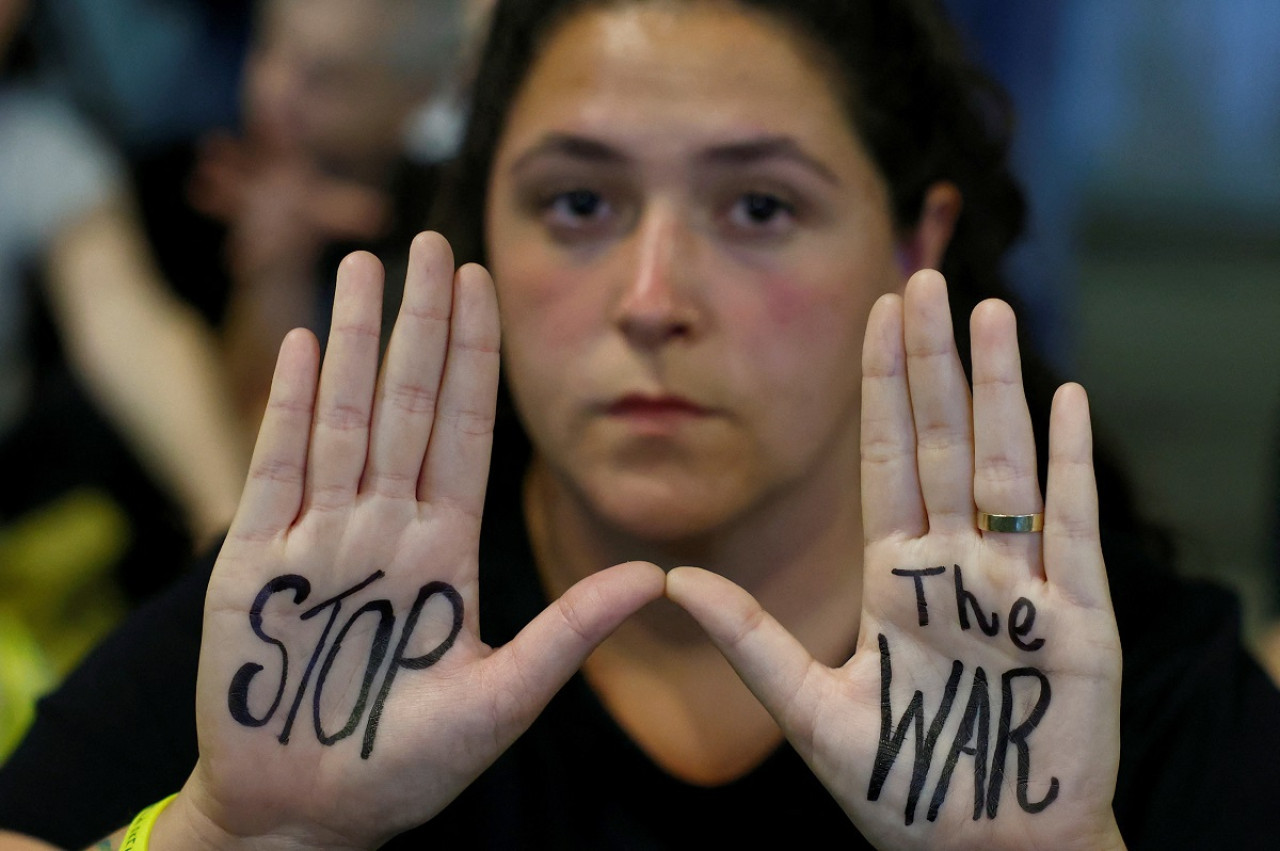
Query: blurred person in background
x=71 y=242
x=347 y=112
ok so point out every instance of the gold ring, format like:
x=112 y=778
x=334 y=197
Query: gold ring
x=1010 y=522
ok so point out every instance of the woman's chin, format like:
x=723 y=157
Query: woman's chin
x=664 y=513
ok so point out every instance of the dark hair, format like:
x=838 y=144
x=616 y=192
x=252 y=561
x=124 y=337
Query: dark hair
x=925 y=112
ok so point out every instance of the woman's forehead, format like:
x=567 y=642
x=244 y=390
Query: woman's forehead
x=651 y=74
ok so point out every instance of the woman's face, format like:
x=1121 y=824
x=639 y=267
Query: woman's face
x=687 y=237
x=319 y=81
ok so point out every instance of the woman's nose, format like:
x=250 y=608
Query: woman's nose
x=657 y=304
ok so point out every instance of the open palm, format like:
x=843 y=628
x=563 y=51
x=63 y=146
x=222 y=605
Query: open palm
x=981 y=708
x=344 y=694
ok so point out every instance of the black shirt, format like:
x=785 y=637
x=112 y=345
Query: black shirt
x=1200 y=761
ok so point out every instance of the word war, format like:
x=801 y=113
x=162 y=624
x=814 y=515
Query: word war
x=238 y=693
x=972 y=737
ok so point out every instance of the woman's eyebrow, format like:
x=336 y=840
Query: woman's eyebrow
x=741 y=153
x=572 y=147
x=754 y=151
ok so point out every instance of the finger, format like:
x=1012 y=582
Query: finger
x=272 y=495
x=771 y=662
x=457 y=461
x=1005 y=480
x=891 y=502
x=340 y=432
x=410 y=382
x=940 y=402
x=553 y=646
x=1072 y=548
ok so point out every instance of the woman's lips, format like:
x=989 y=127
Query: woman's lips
x=655 y=413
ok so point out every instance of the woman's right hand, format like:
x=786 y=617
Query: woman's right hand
x=344 y=694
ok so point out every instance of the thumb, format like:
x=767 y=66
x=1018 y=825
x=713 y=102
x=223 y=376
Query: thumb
x=554 y=645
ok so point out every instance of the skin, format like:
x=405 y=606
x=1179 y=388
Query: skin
x=670 y=282
x=648 y=234
x=629 y=265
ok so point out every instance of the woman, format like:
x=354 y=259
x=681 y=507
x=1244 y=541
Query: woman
x=691 y=210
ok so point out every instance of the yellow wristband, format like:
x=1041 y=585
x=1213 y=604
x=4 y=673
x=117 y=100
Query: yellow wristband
x=139 y=835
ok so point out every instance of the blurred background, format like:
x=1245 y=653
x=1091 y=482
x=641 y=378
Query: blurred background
x=1149 y=142
x=178 y=182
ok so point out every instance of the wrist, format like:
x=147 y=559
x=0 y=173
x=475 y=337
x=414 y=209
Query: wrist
x=1114 y=841
x=184 y=826
x=1108 y=838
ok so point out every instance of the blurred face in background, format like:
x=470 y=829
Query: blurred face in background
x=323 y=80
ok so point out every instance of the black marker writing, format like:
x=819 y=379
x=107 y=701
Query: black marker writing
x=1022 y=618
x=976 y=720
x=382 y=611
x=399 y=661
x=1018 y=736
x=970 y=739
x=336 y=604
x=922 y=605
x=891 y=740
x=1022 y=615
x=238 y=694
x=965 y=600
x=381 y=638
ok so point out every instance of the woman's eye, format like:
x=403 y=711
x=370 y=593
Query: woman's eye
x=584 y=212
x=756 y=210
x=576 y=205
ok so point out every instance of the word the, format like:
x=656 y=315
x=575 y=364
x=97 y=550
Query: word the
x=238 y=693
x=1022 y=615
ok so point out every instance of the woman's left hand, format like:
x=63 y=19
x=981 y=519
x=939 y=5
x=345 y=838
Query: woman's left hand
x=981 y=707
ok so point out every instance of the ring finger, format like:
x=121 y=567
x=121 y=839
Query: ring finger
x=1005 y=478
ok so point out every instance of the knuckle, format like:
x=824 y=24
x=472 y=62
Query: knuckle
x=278 y=471
x=1001 y=469
x=470 y=422
x=999 y=381
x=341 y=416
x=424 y=314
x=289 y=407
x=356 y=331
x=328 y=497
x=572 y=611
x=412 y=398
x=940 y=438
x=392 y=483
x=479 y=344
x=749 y=620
